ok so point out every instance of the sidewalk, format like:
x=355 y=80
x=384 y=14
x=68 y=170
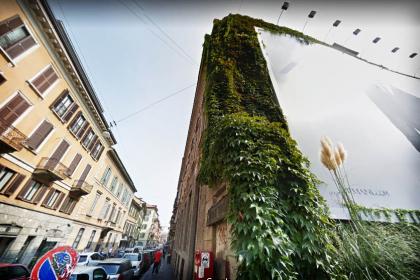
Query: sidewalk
x=165 y=273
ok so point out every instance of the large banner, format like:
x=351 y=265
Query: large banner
x=374 y=112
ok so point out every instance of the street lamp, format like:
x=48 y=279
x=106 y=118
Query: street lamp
x=335 y=24
x=284 y=7
x=311 y=15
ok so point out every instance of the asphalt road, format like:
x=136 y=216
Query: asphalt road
x=165 y=273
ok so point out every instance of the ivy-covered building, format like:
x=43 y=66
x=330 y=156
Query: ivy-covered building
x=245 y=191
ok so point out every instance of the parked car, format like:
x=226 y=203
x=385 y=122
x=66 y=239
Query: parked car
x=89 y=273
x=136 y=262
x=10 y=271
x=89 y=258
x=120 y=269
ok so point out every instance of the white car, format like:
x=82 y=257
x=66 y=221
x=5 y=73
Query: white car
x=136 y=262
x=89 y=273
x=89 y=258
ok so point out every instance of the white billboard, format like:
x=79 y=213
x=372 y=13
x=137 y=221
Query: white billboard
x=375 y=113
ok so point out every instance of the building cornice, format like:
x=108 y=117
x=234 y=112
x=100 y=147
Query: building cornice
x=62 y=45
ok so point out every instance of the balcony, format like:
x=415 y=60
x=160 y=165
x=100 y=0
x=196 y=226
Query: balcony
x=50 y=169
x=11 y=139
x=80 y=188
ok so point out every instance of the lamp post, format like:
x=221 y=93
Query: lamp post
x=284 y=7
x=311 y=15
x=335 y=24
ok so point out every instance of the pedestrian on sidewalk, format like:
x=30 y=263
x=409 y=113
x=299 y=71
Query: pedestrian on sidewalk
x=157 y=257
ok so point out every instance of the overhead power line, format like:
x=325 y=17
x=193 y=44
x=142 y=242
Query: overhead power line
x=154 y=103
x=181 y=53
x=163 y=31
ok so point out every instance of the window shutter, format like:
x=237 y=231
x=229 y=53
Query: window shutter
x=45 y=79
x=75 y=119
x=14 y=184
x=24 y=189
x=63 y=94
x=58 y=154
x=59 y=199
x=64 y=205
x=70 y=113
x=85 y=173
x=13 y=109
x=82 y=130
x=40 y=194
x=73 y=204
x=39 y=135
x=50 y=193
x=10 y=24
x=86 y=134
x=93 y=143
x=20 y=47
x=74 y=164
x=100 y=152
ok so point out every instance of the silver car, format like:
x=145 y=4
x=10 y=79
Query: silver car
x=136 y=262
x=89 y=273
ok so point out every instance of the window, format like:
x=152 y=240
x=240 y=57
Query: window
x=87 y=139
x=68 y=205
x=105 y=210
x=43 y=81
x=15 y=38
x=13 y=109
x=142 y=235
x=51 y=198
x=144 y=226
x=39 y=135
x=77 y=125
x=78 y=237
x=34 y=187
x=5 y=175
x=117 y=218
x=106 y=176
x=120 y=187
x=62 y=105
x=113 y=184
x=111 y=216
x=89 y=244
x=97 y=197
x=97 y=150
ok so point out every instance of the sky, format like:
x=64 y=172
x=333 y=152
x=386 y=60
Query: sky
x=137 y=53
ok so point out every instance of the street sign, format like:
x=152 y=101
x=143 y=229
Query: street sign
x=205 y=259
x=56 y=264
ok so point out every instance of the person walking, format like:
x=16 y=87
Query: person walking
x=156 y=261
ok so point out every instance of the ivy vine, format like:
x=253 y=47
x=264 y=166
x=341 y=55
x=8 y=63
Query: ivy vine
x=280 y=225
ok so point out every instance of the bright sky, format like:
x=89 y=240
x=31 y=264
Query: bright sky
x=132 y=64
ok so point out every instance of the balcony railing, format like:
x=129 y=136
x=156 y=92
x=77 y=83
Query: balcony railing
x=51 y=169
x=80 y=188
x=11 y=139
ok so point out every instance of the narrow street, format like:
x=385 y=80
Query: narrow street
x=166 y=272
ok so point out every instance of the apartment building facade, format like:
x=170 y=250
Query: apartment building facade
x=133 y=223
x=61 y=182
x=150 y=228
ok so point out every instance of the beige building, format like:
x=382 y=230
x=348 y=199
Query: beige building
x=61 y=182
x=150 y=228
x=133 y=223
